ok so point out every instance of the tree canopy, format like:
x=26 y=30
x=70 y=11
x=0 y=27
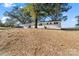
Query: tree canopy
x=77 y=20
x=37 y=11
x=20 y=16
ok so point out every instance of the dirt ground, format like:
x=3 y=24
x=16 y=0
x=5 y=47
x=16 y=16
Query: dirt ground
x=39 y=42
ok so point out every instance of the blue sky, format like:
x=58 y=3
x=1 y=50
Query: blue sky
x=8 y=7
x=70 y=22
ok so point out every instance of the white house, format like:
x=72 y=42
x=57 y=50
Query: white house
x=54 y=24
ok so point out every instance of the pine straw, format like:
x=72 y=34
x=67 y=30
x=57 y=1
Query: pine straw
x=33 y=42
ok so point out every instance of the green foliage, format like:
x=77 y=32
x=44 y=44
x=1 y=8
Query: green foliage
x=10 y=23
x=37 y=11
x=56 y=10
x=16 y=13
x=0 y=23
x=77 y=20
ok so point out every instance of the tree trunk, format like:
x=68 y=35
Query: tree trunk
x=36 y=23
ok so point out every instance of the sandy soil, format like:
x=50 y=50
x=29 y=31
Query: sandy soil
x=39 y=42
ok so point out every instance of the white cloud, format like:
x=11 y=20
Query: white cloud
x=21 y=6
x=73 y=20
x=9 y=4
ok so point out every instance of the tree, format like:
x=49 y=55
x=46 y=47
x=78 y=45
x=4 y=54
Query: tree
x=37 y=12
x=77 y=20
x=42 y=10
x=10 y=22
x=56 y=10
x=1 y=23
x=16 y=13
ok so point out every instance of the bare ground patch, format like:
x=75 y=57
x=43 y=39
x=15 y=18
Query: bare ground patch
x=39 y=42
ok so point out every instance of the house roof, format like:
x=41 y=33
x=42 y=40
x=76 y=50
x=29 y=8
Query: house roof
x=56 y=20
